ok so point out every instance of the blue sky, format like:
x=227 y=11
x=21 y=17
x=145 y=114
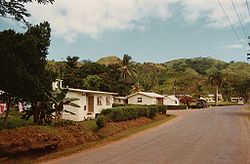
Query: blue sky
x=147 y=30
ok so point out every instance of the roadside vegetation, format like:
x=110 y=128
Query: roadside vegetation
x=65 y=137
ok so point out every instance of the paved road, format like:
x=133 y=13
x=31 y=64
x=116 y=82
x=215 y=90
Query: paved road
x=215 y=135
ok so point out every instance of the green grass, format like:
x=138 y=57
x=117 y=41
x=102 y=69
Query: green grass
x=14 y=120
x=90 y=124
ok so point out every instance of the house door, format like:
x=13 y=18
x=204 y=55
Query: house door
x=91 y=104
x=160 y=101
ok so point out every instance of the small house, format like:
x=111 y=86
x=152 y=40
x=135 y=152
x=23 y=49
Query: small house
x=211 y=97
x=91 y=103
x=238 y=100
x=145 y=98
x=171 y=100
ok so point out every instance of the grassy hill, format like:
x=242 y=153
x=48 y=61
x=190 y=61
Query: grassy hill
x=109 y=60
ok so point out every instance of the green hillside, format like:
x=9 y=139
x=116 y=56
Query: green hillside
x=109 y=60
x=188 y=76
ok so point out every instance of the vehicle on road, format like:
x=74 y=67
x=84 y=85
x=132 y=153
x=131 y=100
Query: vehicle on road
x=201 y=103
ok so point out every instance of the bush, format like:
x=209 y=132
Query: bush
x=163 y=109
x=124 y=113
x=100 y=121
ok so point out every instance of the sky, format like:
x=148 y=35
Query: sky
x=147 y=30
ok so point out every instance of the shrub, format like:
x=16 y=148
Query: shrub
x=152 y=113
x=124 y=113
x=163 y=109
x=100 y=121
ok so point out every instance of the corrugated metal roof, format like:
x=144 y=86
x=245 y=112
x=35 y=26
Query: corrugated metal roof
x=148 y=94
x=90 y=91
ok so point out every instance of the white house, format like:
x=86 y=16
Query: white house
x=145 y=98
x=91 y=103
x=171 y=100
x=211 y=97
x=238 y=100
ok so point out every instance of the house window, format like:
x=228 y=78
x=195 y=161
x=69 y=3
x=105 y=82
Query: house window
x=99 y=101
x=108 y=100
x=139 y=99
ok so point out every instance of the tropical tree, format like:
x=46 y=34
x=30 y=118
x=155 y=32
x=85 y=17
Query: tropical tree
x=57 y=101
x=137 y=87
x=127 y=67
x=187 y=100
x=94 y=82
x=215 y=78
x=243 y=89
x=23 y=73
x=72 y=61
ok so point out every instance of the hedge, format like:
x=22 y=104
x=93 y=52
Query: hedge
x=124 y=113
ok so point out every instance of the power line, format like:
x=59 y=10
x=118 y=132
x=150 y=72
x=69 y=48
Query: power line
x=239 y=19
x=223 y=9
x=248 y=7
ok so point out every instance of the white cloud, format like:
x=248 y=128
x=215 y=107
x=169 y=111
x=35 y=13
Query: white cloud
x=232 y=46
x=93 y=17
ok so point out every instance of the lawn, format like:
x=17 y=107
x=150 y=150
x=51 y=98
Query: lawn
x=90 y=124
x=14 y=120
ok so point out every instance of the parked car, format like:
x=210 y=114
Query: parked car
x=201 y=103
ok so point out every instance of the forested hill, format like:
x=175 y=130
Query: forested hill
x=188 y=76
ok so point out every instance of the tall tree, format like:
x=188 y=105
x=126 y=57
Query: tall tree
x=23 y=73
x=94 y=82
x=127 y=68
x=215 y=78
x=137 y=87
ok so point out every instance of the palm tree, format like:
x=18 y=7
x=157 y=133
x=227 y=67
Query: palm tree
x=215 y=78
x=127 y=67
x=136 y=88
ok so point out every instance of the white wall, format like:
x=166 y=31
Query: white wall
x=79 y=112
x=170 y=101
x=145 y=100
x=99 y=108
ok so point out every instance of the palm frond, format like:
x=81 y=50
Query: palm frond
x=67 y=111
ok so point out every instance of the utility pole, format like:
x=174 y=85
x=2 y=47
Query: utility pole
x=174 y=87
x=248 y=53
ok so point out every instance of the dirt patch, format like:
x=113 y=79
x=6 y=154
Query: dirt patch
x=112 y=128
x=28 y=139
x=75 y=135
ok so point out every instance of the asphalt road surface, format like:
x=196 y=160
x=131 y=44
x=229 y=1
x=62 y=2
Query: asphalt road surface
x=215 y=135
